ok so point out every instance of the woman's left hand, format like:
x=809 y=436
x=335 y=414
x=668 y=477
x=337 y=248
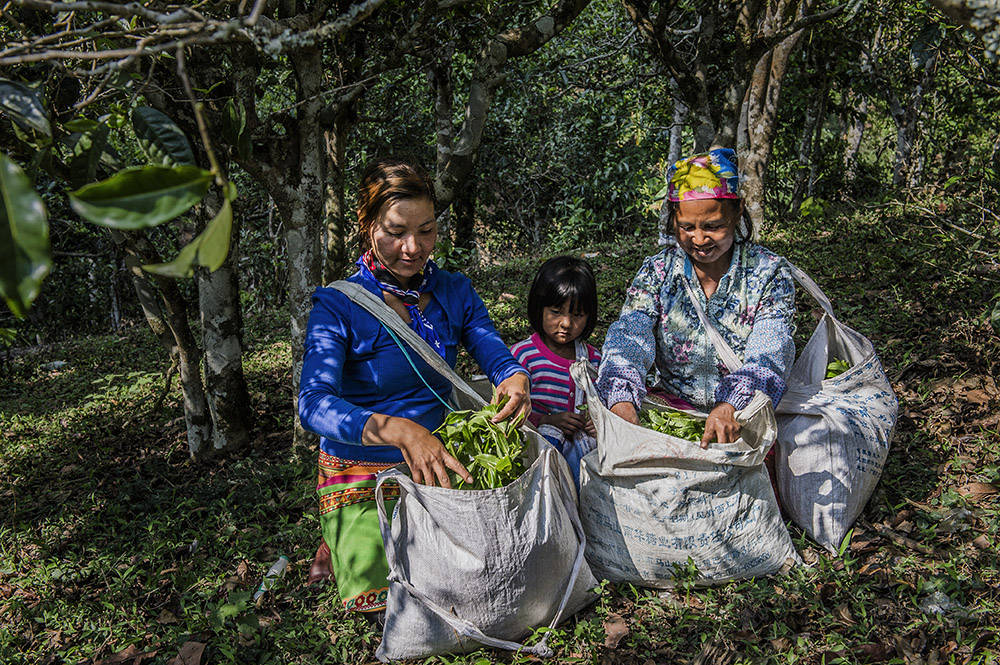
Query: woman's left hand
x=518 y=388
x=721 y=425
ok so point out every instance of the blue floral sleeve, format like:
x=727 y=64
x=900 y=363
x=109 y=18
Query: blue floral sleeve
x=770 y=349
x=630 y=346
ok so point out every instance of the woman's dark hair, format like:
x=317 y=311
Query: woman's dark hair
x=734 y=208
x=559 y=279
x=384 y=182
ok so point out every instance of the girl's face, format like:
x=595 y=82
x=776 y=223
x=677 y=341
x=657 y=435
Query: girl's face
x=562 y=326
x=706 y=230
x=404 y=238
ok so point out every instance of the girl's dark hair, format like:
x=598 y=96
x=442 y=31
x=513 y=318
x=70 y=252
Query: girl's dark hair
x=559 y=279
x=384 y=182
x=734 y=208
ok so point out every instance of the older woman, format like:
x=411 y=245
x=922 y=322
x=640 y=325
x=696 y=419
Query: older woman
x=746 y=291
x=361 y=394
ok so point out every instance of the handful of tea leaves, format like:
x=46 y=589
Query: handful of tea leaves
x=674 y=423
x=836 y=368
x=490 y=451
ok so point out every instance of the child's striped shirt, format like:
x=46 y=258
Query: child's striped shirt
x=552 y=387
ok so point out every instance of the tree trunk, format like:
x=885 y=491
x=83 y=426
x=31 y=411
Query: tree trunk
x=304 y=210
x=763 y=95
x=464 y=219
x=221 y=334
x=166 y=313
x=337 y=261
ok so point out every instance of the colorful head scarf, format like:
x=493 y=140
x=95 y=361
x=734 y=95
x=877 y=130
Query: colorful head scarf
x=709 y=175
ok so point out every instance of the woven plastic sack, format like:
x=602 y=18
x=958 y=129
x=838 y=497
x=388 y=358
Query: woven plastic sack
x=469 y=568
x=833 y=434
x=651 y=503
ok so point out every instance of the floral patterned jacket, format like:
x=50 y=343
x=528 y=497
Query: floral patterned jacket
x=752 y=308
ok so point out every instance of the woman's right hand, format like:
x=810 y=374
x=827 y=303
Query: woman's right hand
x=423 y=452
x=626 y=411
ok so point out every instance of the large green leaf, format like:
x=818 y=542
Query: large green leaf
x=25 y=258
x=25 y=106
x=160 y=138
x=209 y=249
x=141 y=197
x=86 y=149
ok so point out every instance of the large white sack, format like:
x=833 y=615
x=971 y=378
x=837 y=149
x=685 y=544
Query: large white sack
x=469 y=568
x=477 y=567
x=650 y=502
x=833 y=434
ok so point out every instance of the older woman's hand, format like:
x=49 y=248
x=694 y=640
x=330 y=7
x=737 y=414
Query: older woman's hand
x=721 y=425
x=423 y=452
x=626 y=411
x=518 y=388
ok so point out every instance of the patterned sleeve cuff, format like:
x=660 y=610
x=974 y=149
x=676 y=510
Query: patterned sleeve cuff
x=739 y=387
x=617 y=390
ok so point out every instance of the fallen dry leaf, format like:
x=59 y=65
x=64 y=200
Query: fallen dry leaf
x=875 y=653
x=128 y=653
x=978 y=490
x=781 y=644
x=190 y=654
x=615 y=629
x=166 y=617
x=843 y=614
x=982 y=542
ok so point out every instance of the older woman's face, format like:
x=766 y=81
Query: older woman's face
x=706 y=230
x=404 y=238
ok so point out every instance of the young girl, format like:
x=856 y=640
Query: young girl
x=562 y=309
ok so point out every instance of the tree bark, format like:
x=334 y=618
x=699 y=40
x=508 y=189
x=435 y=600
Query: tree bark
x=763 y=96
x=304 y=210
x=336 y=262
x=221 y=334
x=487 y=76
x=166 y=313
x=855 y=134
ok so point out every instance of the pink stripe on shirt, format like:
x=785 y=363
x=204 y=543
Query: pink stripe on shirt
x=551 y=384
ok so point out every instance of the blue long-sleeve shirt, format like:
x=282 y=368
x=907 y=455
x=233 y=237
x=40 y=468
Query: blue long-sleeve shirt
x=352 y=368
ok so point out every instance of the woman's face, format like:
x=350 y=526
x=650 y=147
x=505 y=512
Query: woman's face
x=706 y=229
x=404 y=238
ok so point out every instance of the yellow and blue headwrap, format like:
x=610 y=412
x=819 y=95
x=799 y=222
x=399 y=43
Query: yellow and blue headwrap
x=709 y=175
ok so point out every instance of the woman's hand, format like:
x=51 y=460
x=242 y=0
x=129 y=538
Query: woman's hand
x=568 y=423
x=423 y=452
x=518 y=388
x=626 y=411
x=721 y=425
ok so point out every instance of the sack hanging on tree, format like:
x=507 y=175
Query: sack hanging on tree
x=469 y=568
x=651 y=502
x=833 y=433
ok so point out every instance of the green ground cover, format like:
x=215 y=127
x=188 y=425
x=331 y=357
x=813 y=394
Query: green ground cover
x=115 y=548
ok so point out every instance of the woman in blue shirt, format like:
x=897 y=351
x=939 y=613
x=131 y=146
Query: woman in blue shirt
x=359 y=392
x=746 y=291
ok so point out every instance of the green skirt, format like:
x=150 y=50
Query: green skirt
x=349 y=518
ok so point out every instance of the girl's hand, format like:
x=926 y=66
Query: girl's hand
x=518 y=388
x=423 y=452
x=567 y=422
x=626 y=411
x=721 y=425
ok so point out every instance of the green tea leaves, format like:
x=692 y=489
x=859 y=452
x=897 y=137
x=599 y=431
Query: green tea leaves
x=490 y=451
x=25 y=258
x=836 y=368
x=674 y=423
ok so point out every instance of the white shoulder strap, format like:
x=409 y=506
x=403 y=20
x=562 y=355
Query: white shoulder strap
x=377 y=308
x=726 y=353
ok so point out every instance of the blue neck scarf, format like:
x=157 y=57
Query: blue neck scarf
x=373 y=271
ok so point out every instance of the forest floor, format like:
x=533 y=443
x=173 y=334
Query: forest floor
x=115 y=548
